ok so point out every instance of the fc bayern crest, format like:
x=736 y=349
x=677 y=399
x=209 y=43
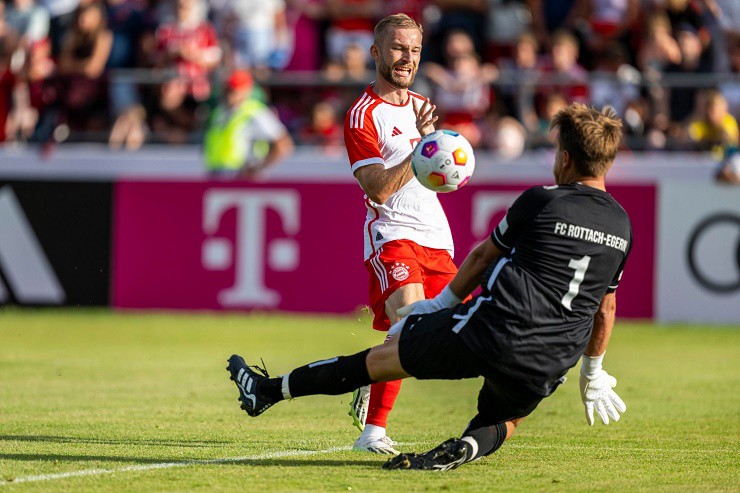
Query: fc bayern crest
x=399 y=271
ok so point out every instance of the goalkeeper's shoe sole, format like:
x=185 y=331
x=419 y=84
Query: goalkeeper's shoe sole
x=358 y=407
x=382 y=446
x=448 y=455
x=247 y=380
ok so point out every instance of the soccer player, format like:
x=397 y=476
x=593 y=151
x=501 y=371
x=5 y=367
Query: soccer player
x=549 y=272
x=408 y=244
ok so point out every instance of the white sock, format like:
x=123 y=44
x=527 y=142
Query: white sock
x=285 y=387
x=372 y=432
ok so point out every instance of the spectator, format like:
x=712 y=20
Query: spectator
x=604 y=22
x=658 y=48
x=717 y=129
x=30 y=21
x=62 y=18
x=728 y=170
x=508 y=138
x=243 y=136
x=82 y=68
x=519 y=75
x=468 y=16
x=351 y=67
x=323 y=129
x=728 y=14
x=412 y=8
x=614 y=82
x=568 y=77
x=40 y=75
x=549 y=16
x=22 y=118
x=126 y=21
x=350 y=22
x=257 y=32
x=682 y=99
x=554 y=103
x=730 y=89
x=462 y=94
x=507 y=21
x=190 y=46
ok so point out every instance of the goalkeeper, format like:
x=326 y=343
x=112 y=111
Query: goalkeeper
x=549 y=272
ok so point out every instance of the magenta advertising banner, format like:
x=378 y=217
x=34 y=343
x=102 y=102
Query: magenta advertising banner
x=298 y=246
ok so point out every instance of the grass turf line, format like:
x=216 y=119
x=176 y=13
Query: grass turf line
x=93 y=389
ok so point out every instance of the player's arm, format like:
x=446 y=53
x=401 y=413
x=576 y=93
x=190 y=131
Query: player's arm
x=471 y=271
x=468 y=277
x=603 y=325
x=596 y=384
x=266 y=126
x=379 y=183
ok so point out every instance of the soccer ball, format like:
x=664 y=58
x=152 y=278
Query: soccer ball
x=443 y=161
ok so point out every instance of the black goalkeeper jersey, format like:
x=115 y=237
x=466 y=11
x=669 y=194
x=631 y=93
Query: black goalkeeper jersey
x=564 y=249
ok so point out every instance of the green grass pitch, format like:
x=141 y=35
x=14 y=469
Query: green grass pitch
x=94 y=400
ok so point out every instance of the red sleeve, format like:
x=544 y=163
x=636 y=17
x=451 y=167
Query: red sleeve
x=211 y=37
x=162 y=35
x=361 y=139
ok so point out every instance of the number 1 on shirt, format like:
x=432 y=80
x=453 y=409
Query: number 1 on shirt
x=580 y=266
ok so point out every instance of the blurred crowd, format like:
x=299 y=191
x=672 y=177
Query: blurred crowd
x=130 y=72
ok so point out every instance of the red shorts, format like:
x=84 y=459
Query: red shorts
x=401 y=262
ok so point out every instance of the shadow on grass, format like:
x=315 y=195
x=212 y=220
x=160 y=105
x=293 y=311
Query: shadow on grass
x=111 y=441
x=309 y=462
x=84 y=458
x=160 y=460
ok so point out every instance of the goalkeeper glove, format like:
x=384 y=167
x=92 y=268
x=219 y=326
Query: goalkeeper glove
x=445 y=299
x=597 y=393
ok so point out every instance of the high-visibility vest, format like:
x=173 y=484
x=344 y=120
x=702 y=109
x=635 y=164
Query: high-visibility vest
x=224 y=144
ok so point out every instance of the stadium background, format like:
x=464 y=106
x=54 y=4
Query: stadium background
x=105 y=200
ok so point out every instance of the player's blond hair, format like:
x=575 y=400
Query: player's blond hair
x=395 y=21
x=590 y=136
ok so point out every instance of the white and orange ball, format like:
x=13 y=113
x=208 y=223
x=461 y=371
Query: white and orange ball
x=443 y=161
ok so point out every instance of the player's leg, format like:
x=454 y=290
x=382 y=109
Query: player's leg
x=502 y=406
x=383 y=395
x=396 y=280
x=455 y=452
x=334 y=376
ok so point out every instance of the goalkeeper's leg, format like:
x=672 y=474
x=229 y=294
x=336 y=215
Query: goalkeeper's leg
x=475 y=443
x=334 y=376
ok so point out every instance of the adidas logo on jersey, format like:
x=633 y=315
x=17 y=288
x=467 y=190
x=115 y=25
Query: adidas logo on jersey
x=378 y=236
x=395 y=132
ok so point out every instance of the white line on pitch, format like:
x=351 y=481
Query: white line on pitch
x=170 y=465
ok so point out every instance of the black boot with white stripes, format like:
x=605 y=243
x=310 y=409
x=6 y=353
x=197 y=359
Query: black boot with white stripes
x=248 y=382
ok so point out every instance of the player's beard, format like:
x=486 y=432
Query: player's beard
x=386 y=71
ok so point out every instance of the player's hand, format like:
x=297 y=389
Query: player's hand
x=425 y=118
x=597 y=394
x=420 y=308
x=445 y=299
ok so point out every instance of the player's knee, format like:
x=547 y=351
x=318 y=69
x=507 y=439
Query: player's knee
x=383 y=363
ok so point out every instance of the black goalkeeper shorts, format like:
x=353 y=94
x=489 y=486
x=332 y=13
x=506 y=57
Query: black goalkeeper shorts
x=429 y=350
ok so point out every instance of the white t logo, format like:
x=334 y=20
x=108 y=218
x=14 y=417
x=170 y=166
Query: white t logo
x=250 y=243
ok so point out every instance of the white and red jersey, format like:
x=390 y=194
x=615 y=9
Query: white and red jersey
x=379 y=132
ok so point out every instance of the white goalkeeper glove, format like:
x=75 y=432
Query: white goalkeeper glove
x=445 y=299
x=597 y=393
